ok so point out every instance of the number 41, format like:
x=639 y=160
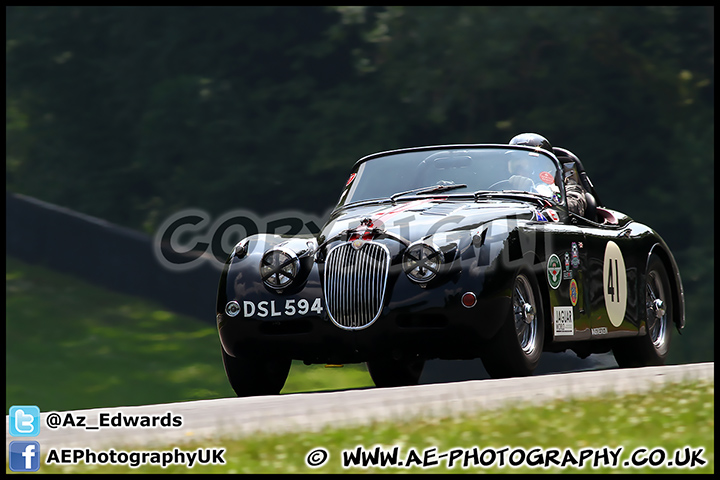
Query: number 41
x=610 y=287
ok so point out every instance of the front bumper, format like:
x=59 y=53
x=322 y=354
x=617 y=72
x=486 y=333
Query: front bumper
x=403 y=330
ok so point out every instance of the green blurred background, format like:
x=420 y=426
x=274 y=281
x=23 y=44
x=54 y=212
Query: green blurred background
x=132 y=114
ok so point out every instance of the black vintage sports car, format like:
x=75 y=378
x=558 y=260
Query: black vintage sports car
x=434 y=252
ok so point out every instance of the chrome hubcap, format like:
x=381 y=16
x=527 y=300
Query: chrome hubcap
x=659 y=308
x=656 y=311
x=528 y=313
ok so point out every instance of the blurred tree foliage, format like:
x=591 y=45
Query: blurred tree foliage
x=134 y=113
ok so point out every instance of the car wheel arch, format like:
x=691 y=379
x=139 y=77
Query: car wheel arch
x=678 y=304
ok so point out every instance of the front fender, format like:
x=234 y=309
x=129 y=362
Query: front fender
x=241 y=278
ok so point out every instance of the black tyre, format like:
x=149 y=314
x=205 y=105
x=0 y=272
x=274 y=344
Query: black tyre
x=256 y=376
x=516 y=348
x=395 y=373
x=651 y=348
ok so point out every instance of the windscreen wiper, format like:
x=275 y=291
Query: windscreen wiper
x=428 y=189
x=519 y=194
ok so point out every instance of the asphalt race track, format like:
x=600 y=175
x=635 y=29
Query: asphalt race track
x=208 y=420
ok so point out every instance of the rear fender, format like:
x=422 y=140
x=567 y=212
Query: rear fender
x=678 y=296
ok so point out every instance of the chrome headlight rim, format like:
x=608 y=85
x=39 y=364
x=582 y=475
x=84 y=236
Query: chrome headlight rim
x=416 y=266
x=288 y=267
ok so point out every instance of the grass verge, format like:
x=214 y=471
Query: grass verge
x=673 y=421
x=71 y=345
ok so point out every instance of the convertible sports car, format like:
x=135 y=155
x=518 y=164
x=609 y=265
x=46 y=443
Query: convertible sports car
x=436 y=252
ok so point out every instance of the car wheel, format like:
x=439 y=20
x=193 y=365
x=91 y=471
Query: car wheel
x=515 y=350
x=651 y=348
x=256 y=376
x=395 y=373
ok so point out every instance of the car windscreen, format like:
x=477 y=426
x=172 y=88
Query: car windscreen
x=493 y=168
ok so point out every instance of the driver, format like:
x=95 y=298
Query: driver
x=520 y=173
x=574 y=190
x=520 y=168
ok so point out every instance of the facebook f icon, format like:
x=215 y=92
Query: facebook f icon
x=24 y=421
x=24 y=456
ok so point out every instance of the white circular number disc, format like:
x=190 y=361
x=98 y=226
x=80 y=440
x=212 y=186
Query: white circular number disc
x=614 y=283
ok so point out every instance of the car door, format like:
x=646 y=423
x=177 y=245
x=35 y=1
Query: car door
x=612 y=276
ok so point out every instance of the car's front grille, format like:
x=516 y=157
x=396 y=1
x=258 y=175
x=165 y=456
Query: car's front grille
x=355 y=280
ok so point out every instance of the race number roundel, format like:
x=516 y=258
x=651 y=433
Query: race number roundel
x=614 y=283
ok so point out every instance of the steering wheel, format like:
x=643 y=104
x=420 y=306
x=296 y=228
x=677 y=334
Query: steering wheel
x=530 y=189
x=499 y=183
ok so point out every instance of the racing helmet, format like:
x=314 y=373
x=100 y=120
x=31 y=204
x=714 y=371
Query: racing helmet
x=532 y=140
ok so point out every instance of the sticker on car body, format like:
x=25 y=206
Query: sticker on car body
x=567 y=273
x=598 y=331
x=563 y=321
x=551 y=214
x=575 y=255
x=573 y=292
x=554 y=271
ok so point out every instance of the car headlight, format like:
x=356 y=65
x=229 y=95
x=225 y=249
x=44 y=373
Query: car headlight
x=422 y=262
x=279 y=267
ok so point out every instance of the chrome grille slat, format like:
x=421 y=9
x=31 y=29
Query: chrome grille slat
x=354 y=284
